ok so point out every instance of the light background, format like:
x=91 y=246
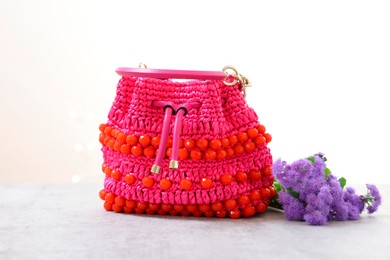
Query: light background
x=320 y=73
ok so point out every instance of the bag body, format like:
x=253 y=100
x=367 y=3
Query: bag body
x=189 y=148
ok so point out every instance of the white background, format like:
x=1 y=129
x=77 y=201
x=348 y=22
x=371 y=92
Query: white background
x=320 y=73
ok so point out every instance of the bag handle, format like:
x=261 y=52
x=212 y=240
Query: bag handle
x=143 y=71
x=171 y=74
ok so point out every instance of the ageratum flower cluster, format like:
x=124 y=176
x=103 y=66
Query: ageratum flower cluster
x=308 y=191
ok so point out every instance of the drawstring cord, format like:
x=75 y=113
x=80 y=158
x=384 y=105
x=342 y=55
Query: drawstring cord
x=169 y=111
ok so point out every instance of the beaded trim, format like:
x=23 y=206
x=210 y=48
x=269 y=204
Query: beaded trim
x=222 y=148
x=246 y=205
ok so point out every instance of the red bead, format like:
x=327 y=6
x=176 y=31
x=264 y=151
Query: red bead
x=107 y=206
x=260 y=207
x=147 y=182
x=128 y=210
x=206 y=183
x=102 y=127
x=131 y=204
x=204 y=207
x=130 y=179
x=229 y=152
x=254 y=196
x=249 y=146
x=185 y=213
x=192 y=208
x=265 y=193
x=161 y=212
x=252 y=133
x=139 y=211
x=185 y=184
x=261 y=129
x=165 y=184
x=166 y=207
x=131 y=140
x=242 y=137
x=154 y=206
x=215 y=144
x=267 y=171
x=121 y=137
x=197 y=213
x=230 y=204
x=106 y=140
x=268 y=137
x=209 y=214
x=116 y=175
x=217 y=206
x=110 y=198
x=248 y=211
x=221 y=154
x=196 y=154
x=226 y=179
x=183 y=153
x=178 y=207
x=117 y=146
x=144 y=140
x=136 y=150
x=150 y=211
x=202 y=143
x=260 y=140
x=189 y=143
x=111 y=144
x=104 y=166
x=142 y=205
x=239 y=149
x=224 y=142
x=117 y=208
x=243 y=200
x=255 y=175
x=210 y=154
x=107 y=130
x=101 y=138
x=168 y=152
x=221 y=214
x=149 y=151
x=125 y=149
x=169 y=142
x=102 y=194
x=173 y=212
x=272 y=192
x=241 y=176
x=114 y=133
x=108 y=171
x=155 y=141
x=120 y=201
x=232 y=140
x=235 y=214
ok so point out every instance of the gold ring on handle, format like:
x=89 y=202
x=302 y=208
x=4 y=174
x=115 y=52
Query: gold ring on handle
x=235 y=73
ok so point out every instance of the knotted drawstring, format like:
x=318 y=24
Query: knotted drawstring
x=170 y=110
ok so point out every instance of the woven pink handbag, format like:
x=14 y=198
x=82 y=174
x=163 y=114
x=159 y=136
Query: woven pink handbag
x=184 y=147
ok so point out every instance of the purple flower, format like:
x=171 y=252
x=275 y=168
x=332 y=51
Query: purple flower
x=373 y=198
x=308 y=191
x=315 y=218
x=293 y=208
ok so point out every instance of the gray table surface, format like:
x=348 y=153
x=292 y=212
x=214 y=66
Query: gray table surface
x=67 y=221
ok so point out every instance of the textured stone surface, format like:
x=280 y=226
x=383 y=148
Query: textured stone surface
x=68 y=221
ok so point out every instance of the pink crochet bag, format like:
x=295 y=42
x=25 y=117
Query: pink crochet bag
x=184 y=147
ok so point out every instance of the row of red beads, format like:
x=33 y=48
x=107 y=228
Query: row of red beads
x=195 y=149
x=185 y=184
x=234 y=208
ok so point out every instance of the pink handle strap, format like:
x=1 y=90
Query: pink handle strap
x=171 y=74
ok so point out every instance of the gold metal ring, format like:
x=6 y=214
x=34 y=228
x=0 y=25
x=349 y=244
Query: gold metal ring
x=142 y=65
x=235 y=73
